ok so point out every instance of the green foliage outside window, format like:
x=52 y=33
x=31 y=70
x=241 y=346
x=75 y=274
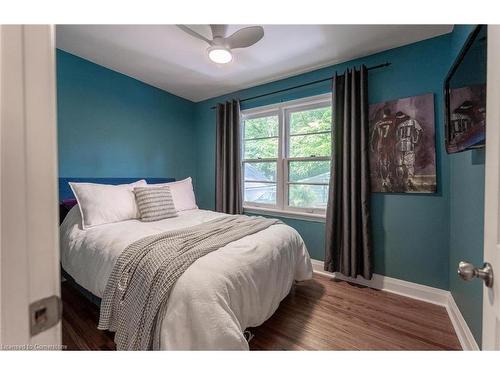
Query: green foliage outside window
x=261 y=127
x=301 y=144
x=311 y=121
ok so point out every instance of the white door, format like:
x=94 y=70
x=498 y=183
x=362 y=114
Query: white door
x=29 y=246
x=491 y=298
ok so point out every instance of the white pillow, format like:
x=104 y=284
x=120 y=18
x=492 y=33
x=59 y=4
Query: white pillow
x=182 y=194
x=102 y=204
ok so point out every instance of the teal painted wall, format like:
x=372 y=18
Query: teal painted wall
x=466 y=215
x=411 y=231
x=111 y=125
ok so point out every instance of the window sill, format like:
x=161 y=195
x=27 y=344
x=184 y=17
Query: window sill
x=286 y=214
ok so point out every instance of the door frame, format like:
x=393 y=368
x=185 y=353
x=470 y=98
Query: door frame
x=29 y=246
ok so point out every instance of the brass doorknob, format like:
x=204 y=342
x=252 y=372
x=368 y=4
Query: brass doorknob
x=468 y=271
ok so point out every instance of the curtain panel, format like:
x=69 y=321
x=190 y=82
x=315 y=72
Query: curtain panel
x=228 y=155
x=348 y=245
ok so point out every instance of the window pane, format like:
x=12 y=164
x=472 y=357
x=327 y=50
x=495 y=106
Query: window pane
x=308 y=196
x=309 y=145
x=261 y=148
x=309 y=171
x=260 y=171
x=261 y=127
x=311 y=121
x=258 y=192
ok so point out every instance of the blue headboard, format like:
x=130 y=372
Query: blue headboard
x=65 y=191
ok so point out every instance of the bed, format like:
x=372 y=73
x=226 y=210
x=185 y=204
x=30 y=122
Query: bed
x=220 y=295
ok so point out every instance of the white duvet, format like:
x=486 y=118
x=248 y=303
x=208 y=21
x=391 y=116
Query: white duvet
x=218 y=297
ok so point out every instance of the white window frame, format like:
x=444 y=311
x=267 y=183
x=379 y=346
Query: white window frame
x=283 y=111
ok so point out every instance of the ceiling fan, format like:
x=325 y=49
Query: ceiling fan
x=219 y=50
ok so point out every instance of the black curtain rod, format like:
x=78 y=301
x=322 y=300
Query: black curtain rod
x=304 y=85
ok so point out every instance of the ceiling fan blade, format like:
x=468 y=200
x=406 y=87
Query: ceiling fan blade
x=218 y=31
x=193 y=33
x=245 y=37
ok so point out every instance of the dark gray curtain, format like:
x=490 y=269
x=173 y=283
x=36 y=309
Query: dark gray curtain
x=348 y=223
x=227 y=172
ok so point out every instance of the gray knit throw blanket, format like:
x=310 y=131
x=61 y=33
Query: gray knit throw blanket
x=137 y=291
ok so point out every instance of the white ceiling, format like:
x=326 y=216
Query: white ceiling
x=166 y=57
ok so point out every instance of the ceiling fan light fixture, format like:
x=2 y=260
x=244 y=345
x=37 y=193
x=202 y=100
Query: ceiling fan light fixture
x=220 y=55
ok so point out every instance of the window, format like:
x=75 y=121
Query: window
x=286 y=156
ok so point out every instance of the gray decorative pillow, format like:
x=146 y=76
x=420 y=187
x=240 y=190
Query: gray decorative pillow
x=155 y=203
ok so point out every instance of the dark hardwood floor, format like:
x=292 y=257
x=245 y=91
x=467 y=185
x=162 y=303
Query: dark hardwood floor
x=319 y=314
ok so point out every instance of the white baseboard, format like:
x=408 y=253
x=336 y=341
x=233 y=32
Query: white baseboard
x=416 y=291
x=462 y=330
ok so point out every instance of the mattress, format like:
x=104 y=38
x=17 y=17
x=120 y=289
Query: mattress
x=218 y=296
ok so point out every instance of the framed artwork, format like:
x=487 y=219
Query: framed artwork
x=402 y=145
